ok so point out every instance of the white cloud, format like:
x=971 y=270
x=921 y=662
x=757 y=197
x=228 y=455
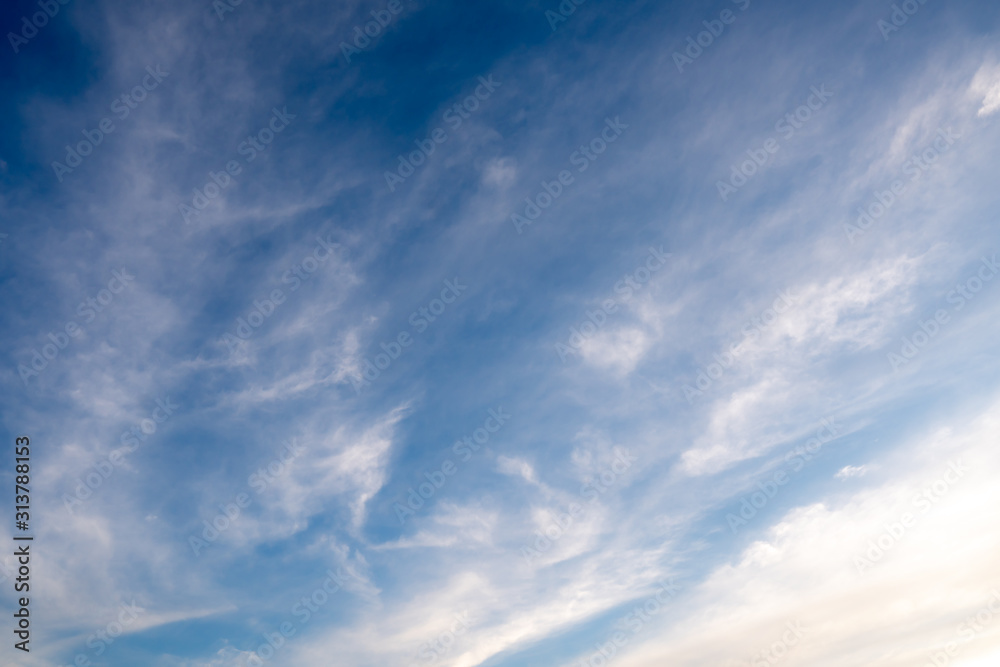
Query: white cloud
x=618 y=350
x=500 y=172
x=851 y=471
x=772 y=384
x=336 y=463
x=517 y=467
x=986 y=86
x=895 y=612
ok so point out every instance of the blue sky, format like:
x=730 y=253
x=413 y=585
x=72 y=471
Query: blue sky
x=501 y=339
